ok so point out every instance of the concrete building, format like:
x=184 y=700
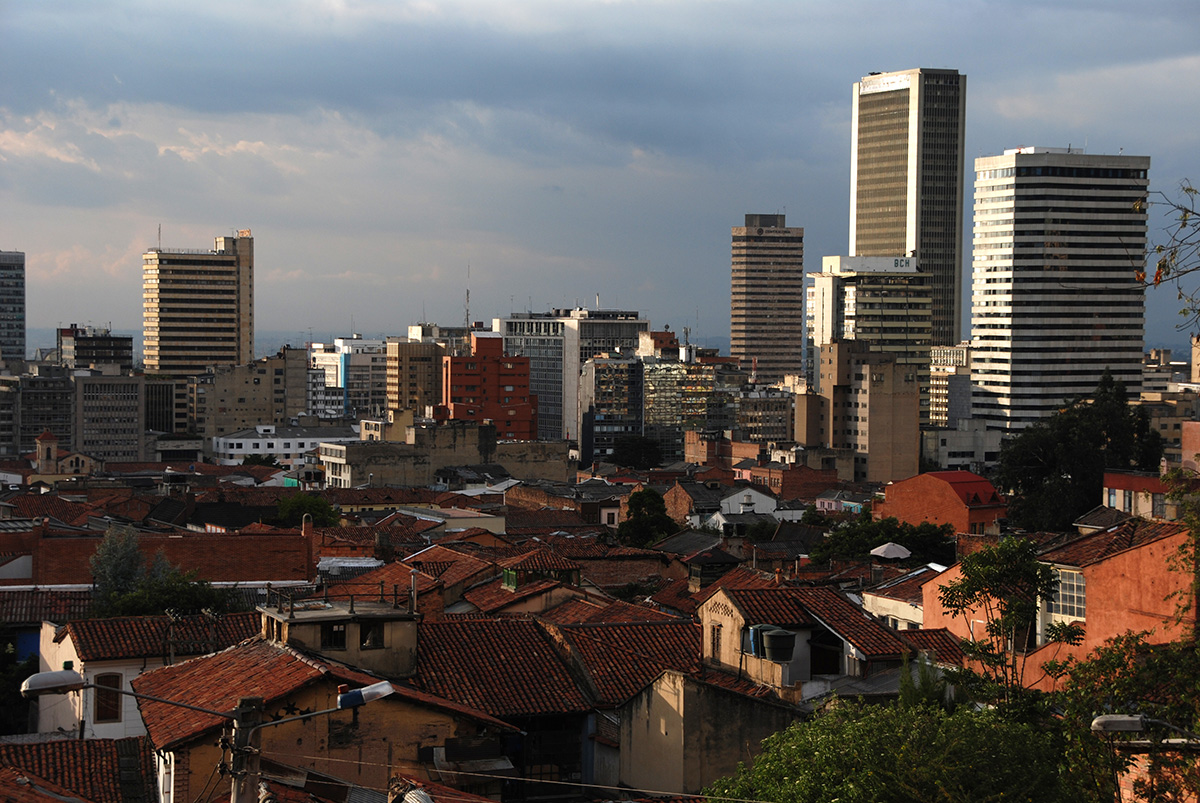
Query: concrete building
x=906 y=179
x=487 y=384
x=12 y=305
x=356 y=366
x=198 y=306
x=1059 y=238
x=867 y=404
x=949 y=384
x=110 y=416
x=92 y=347
x=272 y=390
x=414 y=374
x=884 y=302
x=557 y=344
x=166 y=404
x=766 y=320
x=292 y=447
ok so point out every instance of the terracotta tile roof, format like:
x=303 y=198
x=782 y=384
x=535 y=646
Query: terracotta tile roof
x=582 y=610
x=449 y=565
x=23 y=786
x=254 y=668
x=740 y=577
x=545 y=517
x=851 y=622
x=91 y=768
x=676 y=597
x=32 y=606
x=972 y=489
x=906 y=588
x=778 y=606
x=394 y=576
x=29 y=506
x=493 y=597
x=944 y=646
x=539 y=560
x=621 y=659
x=730 y=682
x=146 y=636
x=505 y=667
x=1093 y=548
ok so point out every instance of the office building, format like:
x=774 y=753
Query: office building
x=610 y=405
x=1059 y=237
x=906 y=180
x=110 y=416
x=557 y=344
x=12 y=305
x=414 y=375
x=355 y=367
x=198 y=306
x=486 y=384
x=882 y=302
x=94 y=346
x=766 y=318
x=949 y=384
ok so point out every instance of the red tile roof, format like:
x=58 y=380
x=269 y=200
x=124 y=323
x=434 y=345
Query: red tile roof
x=146 y=636
x=621 y=659
x=972 y=489
x=539 y=560
x=90 y=768
x=449 y=565
x=851 y=622
x=23 y=786
x=32 y=506
x=32 y=606
x=676 y=597
x=493 y=597
x=504 y=667
x=583 y=610
x=778 y=606
x=1093 y=548
x=906 y=588
x=944 y=646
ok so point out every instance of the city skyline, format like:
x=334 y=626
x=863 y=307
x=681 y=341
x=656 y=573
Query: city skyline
x=552 y=153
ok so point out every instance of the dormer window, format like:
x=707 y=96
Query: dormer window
x=333 y=636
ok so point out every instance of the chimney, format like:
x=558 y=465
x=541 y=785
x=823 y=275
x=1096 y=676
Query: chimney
x=779 y=577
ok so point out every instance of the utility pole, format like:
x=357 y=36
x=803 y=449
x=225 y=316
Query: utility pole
x=247 y=739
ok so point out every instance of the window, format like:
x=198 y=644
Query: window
x=1128 y=505
x=333 y=636
x=1158 y=503
x=1112 y=498
x=370 y=636
x=715 y=641
x=108 y=702
x=1070 y=600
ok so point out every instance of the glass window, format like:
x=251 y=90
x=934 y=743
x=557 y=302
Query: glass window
x=1070 y=599
x=108 y=702
x=333 y=636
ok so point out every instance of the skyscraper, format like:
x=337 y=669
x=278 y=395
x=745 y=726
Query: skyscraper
x=12 y=305
x=1059 y=236
x=906 y=179
x=766 y=321
x=198 y=306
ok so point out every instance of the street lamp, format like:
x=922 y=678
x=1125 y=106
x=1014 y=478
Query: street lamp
x=245 y=718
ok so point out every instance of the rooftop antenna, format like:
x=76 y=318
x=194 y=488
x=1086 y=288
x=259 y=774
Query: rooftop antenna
x=597 y=301
x=159 y=236
x=467 y=312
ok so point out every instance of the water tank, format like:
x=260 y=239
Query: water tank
x=778 y=645
x=756 y=639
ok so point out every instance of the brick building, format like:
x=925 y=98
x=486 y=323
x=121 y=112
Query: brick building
x=965 y=500
x=489 y=385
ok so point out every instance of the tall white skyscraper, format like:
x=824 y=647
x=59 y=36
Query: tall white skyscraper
x=1058 y=238
x=906 y=180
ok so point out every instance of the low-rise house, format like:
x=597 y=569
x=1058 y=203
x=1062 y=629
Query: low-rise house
x=962 y=499
x=898 y=601
x=92 y=770
x=1139 y=493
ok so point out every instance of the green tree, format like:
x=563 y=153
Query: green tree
x=1054 y=469
x=261 y=460
x=646 y=519
x=636 y=452
x=854 y=540
x=125 y=586
x=1002 y=586
x=878 y=754
x=291 y=511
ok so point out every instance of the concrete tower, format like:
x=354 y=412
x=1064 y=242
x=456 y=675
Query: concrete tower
x=766 y=321
x=12 y=305
x=906 y=180
x=1059 y=236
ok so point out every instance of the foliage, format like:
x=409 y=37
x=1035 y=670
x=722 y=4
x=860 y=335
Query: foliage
x=814 y=518
x=1001 y=585
x=646 y=519
x=125 y=586
x=1054 y=469
x=292 y=509
x=14 y=709
x=855 y=539
x=924 y=684
x=1179 y=258
x=636 y=452
x=261 y=460
x=861 y=754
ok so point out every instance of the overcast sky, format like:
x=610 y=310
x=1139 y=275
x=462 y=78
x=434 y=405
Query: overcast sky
x=561 y=150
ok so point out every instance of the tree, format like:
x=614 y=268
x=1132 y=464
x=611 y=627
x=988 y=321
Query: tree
x=292 y=509
x=636 y=452
x=1002 y=585
x=1054 y=469
x=125 y=586
x=1179 y=258
x=646 y=519
x=854 y=540
x=261 y=460
x=855 y=753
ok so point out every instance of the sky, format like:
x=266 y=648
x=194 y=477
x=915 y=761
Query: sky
x=387 y=156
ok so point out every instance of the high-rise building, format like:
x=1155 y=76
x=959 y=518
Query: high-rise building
x=486 y=384
x=414 y=374
x=93 y=346
x=882 y=302
x=357 y=367
x=12 y=305
x=1059 y=238
x=557 y=344
x=906 y=179
x=766 y=311
x=610 y=404
x=198 y=306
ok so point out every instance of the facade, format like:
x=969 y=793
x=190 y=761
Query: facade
x=414 y=374
x=12 y=305
x=272 y=390
x=949 y=384
x=557 y=344
x=610 y=405
x=1059 y=239
x=884 y=302
x=110 y=416
x=962 y=499
x=94 y=346
x=357 y=367
x=486 y=384
x=868 y=405
x=766 y=320
x=198 y=306
x=166 y=404
x=292 y=447
x=906 y=179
